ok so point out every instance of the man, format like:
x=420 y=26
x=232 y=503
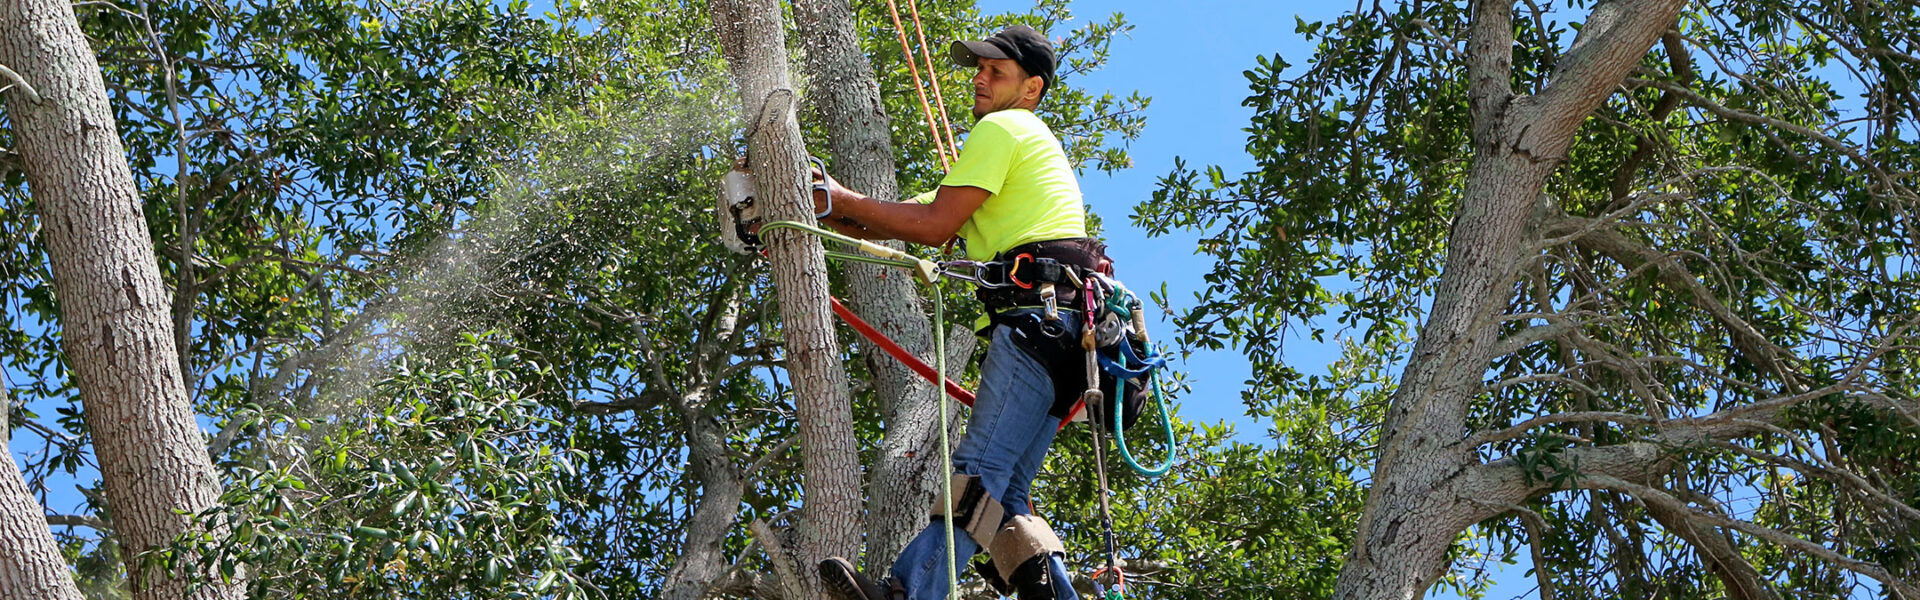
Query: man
x=1011 y=194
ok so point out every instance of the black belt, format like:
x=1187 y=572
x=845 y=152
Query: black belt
x=1028 y=268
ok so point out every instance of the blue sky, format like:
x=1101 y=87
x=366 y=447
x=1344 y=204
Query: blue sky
x=1189 y=57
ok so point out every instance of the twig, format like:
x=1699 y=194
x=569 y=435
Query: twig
x=20 y=82
x=87 y=521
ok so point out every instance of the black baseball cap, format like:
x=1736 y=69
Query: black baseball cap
x=1021 y=44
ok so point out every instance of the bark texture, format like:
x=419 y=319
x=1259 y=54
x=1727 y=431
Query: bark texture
x=31 y=567
x=703 y=559
x=1424 y=492
x=115 y=329
x=753 y=39
x=846 y=95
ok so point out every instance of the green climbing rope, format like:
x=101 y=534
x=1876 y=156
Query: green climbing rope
x=877 y=254
x=1166 y=425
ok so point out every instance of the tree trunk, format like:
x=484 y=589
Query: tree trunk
x=753 y=38
x=847 y=96
x=31 y=567
x=115 y=329
x=703 y=559
x=1421 y=497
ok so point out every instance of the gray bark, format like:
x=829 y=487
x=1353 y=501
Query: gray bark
x=846 y=95
x=31 y=567
x=702 y=559
x=115 y=326
x=1419 y=500
x=753 y=39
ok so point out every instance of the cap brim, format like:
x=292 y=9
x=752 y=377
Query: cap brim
x=969 y=53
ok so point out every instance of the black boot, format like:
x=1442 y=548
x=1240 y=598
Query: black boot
x=845 y=583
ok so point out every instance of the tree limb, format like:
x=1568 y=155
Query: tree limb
x=782 y=558
x=1489 y=65
x=1650 y=496
x=88 y=521
x=20 y=82
x=1715 y=548
x=1643 y=148
x=1831 y=143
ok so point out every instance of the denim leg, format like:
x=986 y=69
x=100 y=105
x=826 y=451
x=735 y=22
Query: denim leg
x=1009 y=419
x=1024 y=470
x=918 y=568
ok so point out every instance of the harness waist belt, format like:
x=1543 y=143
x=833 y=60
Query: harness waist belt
x=1026 y=266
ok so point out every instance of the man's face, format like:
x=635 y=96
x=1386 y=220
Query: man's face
x=1001 y=84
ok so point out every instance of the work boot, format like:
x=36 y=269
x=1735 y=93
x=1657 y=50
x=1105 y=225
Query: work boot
x=846 y=583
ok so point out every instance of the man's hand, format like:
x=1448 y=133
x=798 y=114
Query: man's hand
x=820 y=201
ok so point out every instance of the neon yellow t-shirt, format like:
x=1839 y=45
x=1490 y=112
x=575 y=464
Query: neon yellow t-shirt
x=1033 y=195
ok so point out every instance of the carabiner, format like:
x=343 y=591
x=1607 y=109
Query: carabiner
x=1049 y=297
x=978 y=276
x=1012 y=273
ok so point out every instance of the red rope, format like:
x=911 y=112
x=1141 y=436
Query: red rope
x=898 y=353
x=919 y=87
x=913 y=362
x=933 y=75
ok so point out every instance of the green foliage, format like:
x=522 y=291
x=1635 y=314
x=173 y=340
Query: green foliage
x=1776 y=190
x=447 y=481
x=452 y=286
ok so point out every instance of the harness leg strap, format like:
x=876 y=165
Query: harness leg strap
x=974 y=510
x=1018 y=559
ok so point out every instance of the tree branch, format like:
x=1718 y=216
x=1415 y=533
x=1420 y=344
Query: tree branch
x=782 y=558
x=88 y=521
x=1748 y=340
x=20 y=82
x=1715 y=548
x=1830 y=142
x=1615 y=36
x=1516 y=431
x=1643 y=148
x=1652 y=496
x=1489 y=66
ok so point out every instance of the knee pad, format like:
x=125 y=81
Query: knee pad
x=974 y=510
x=1017 y=561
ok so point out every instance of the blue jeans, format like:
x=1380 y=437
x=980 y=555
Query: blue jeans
x=1007 y=438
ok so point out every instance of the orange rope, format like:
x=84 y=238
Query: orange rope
x=933 y=75
x=913 y=67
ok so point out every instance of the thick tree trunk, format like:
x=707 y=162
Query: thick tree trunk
x=31 y=567
x=1422 y=496
x=753 y=38
x=115 y=329
x=702 y=559
x=847 y=96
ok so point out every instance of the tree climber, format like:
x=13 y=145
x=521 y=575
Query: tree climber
x=1014 y=200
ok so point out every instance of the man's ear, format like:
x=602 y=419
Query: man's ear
x=1030 y=89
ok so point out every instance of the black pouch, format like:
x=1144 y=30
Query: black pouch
x=1056 y=346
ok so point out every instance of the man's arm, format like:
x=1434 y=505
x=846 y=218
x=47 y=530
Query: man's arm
x=927 y=224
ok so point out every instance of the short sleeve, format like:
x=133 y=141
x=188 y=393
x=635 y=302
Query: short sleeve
x=985 y=158
x=925 y=197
